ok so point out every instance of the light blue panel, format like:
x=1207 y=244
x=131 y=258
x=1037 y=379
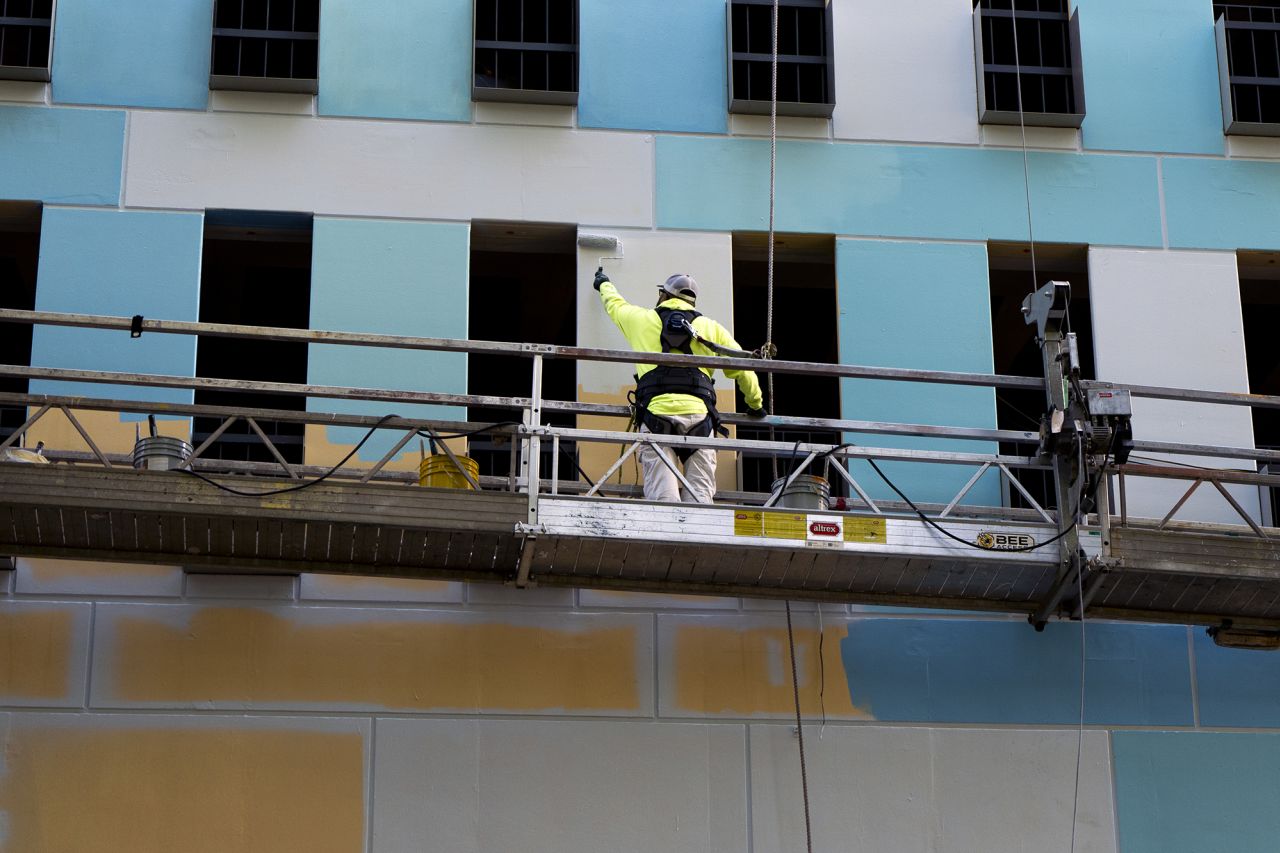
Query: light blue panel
x=119 y=263
x=1197 y=792
x=391 y=59
x=653 y=65
x=925 y=306
x=61 y=155
x=956 y=193
x=1222 y=204
x=395 y=278
x=1151 y=76
x=1237 y=687
x=137 y=53
x=961 y=671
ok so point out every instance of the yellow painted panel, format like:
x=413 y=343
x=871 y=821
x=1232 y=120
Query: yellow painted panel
x=337 y=584
x=195 y=790
x=870 y=530
x=47 y=571
x=108 y=430
x=35 y=652
x=730 y=670
x=248 y=655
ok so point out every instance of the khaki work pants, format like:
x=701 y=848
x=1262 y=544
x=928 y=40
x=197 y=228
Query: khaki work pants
x=699 y=469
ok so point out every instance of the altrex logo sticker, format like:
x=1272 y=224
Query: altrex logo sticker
x=1005 y=541
x=824 y=528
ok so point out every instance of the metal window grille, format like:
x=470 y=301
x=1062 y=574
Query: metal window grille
x=1248 y=37
x=26 y=33
x=526 y=50
x=1043 y=55
x=805 y=73
x=266 y=45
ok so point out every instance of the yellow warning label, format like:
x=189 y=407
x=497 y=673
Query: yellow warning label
x=870 y=530
x=775 y=525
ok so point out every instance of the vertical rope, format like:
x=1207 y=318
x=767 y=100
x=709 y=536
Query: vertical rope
x=1022 y=125
x=773 y=188
x=804 y=772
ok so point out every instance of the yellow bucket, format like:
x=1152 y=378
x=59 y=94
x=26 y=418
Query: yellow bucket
x=438 y=471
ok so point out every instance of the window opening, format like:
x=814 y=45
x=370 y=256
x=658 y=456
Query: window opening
x=804 y=276
x=1016 y=352
x=526 y=50
x=1248 y=36
x=26 y=32
x=1045 y=46
x=805 y=76
x=523 y=290
x=19 y=259
x=1260 y=304
x=255 y=271
x=266 y=45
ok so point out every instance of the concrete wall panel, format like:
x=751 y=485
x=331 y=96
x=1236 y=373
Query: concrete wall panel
x=467 y=786
x=1236 y=688
x=44 y=653
x=1221 y=204
x=83 y=577
x=388 y=169
x=931 y=790
x=68 y=156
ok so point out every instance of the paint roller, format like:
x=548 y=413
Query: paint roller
x=603 y=242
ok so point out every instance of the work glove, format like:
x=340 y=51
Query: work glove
x=757 y=413
x=601 y=278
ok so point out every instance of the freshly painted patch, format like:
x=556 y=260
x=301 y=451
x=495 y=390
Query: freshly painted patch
x=653 y=65
x=962 y=671
x=1236 y=687
x=1158 y=92
x=119 y=263
x=951 y=193
x=388 y=59
x=1192 y=792
x=135 y=53
x=159 y=787
x=238 y=657
x=85 y=577
x=37 y=645
x=358 y=588
x=1221 y=204
x=728 y=668
x=925 y=306
x=68 y=156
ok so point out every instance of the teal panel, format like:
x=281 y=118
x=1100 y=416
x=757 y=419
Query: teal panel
x=925 y=306
x=59 y=155
x=1237 y=687
x=1151 y=76
x=391 y=59
x=907 y=191
x=119 y=263
x=137 y=53
x=654 y=65
x=970 y=671
x=1197 y=792
x=1222 y=204
x=396 y=278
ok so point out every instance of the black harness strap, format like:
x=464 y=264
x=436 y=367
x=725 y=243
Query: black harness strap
x=677 y=336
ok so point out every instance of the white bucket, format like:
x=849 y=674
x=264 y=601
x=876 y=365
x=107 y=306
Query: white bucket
x=160 y=453
x=805 y=492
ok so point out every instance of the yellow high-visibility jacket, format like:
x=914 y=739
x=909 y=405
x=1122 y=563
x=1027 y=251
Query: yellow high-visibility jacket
x=643 y=330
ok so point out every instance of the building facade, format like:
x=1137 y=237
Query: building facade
x=396 y=176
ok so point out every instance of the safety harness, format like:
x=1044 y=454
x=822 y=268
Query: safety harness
x=677 y=336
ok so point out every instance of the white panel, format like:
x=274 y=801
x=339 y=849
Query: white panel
x=649 y=257
x=1174 y=318
x=416 y=170
x=905 y=71
x=916 y=790
x=561 y=787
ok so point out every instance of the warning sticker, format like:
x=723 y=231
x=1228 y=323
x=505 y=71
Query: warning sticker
x=834 y=529
x=869 y=530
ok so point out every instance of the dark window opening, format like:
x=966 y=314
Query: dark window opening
x=523 y=290
x=19 y=259
x=1028 y=65
x=266 y=45
x=1260 y=304
x=26 y=31
x=804 y=278
x=1248 y=36
x=526 y=50
x=805 y=77
x=256 y=271
x=1016 y=352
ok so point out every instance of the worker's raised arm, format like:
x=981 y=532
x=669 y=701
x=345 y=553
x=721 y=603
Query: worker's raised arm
x=622 y=312
x=746 y=379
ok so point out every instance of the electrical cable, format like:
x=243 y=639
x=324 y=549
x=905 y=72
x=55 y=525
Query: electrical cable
x=804 y=772
x=327 y=474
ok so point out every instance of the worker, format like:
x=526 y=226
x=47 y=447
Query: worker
x=676 y=400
